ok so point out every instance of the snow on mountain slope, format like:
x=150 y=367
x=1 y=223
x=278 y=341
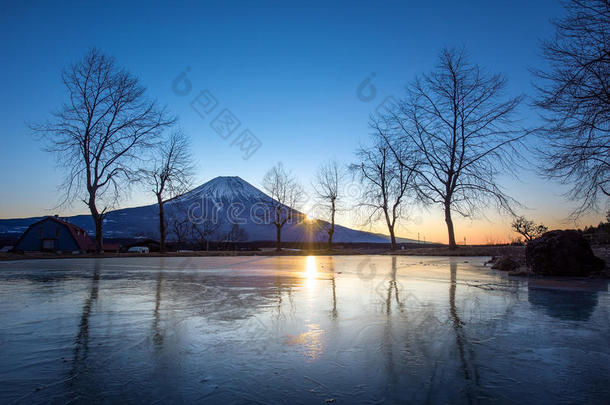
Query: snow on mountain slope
x=223 y=201
x=223 y=187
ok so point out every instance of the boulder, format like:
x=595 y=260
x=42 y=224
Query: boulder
x=505 y=263
x=562 y=253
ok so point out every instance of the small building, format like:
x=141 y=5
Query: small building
x=53 y=234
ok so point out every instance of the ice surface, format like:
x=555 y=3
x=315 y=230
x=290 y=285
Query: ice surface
x=292 y=330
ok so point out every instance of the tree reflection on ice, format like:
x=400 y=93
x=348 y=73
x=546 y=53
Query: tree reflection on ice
x=81 y=343
x=232 y=330
x=466 y=360
x=157 y=335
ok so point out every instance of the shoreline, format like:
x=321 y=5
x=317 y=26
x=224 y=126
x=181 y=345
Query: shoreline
x=462 y=251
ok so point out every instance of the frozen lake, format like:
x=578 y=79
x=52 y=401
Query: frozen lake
x=353 y=329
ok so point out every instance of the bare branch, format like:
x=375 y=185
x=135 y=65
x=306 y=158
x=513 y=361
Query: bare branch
x=574 y=96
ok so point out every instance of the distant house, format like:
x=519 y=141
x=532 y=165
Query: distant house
x=53 y=234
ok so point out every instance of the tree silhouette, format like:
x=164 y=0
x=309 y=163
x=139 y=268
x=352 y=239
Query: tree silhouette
x=527 y=228
x=169 y=174
x=100 y=134
x=574 y=95
x=458 y=125
x=327 y=184
x=386 y=183
x=286 y=193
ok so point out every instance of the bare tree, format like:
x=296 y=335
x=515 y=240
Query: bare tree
x=327 y=184
x=236 y=234
x=527 y=228
x=99 y=135
x=386 y=183
x=574 y=96
x=286 y=194
x=170 y=174
x=202 y=232
x=459 y=125
x=180 y=227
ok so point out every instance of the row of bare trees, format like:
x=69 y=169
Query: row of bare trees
x=455 y=132
x=442 y=144
x=445 y=143
x=187 y=232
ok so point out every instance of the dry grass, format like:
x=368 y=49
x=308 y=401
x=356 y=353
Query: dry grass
x=423 y=251
x=492 y=250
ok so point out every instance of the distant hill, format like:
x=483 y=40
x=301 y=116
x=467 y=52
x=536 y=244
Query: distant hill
x=225 y=200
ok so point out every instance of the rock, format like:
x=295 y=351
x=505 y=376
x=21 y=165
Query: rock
x=505 y=263
x=521 y=271
x=562 y=253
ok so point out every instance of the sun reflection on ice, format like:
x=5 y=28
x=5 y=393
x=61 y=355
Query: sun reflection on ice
x=311 y=271
x=309 y=341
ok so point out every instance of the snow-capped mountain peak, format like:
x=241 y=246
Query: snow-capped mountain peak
x=224 y=188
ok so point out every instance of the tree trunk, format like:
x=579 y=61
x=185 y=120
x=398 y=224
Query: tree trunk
x=449 y=221
x=99 y=242
x=162 y=230
x=331 y=231
x=392 y=236
x=97 y=220
x=278 y=246
x=390 y=224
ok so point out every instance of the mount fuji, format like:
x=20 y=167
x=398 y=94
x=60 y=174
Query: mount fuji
x=226 y=200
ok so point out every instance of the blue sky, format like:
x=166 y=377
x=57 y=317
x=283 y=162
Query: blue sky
x=288 y=71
